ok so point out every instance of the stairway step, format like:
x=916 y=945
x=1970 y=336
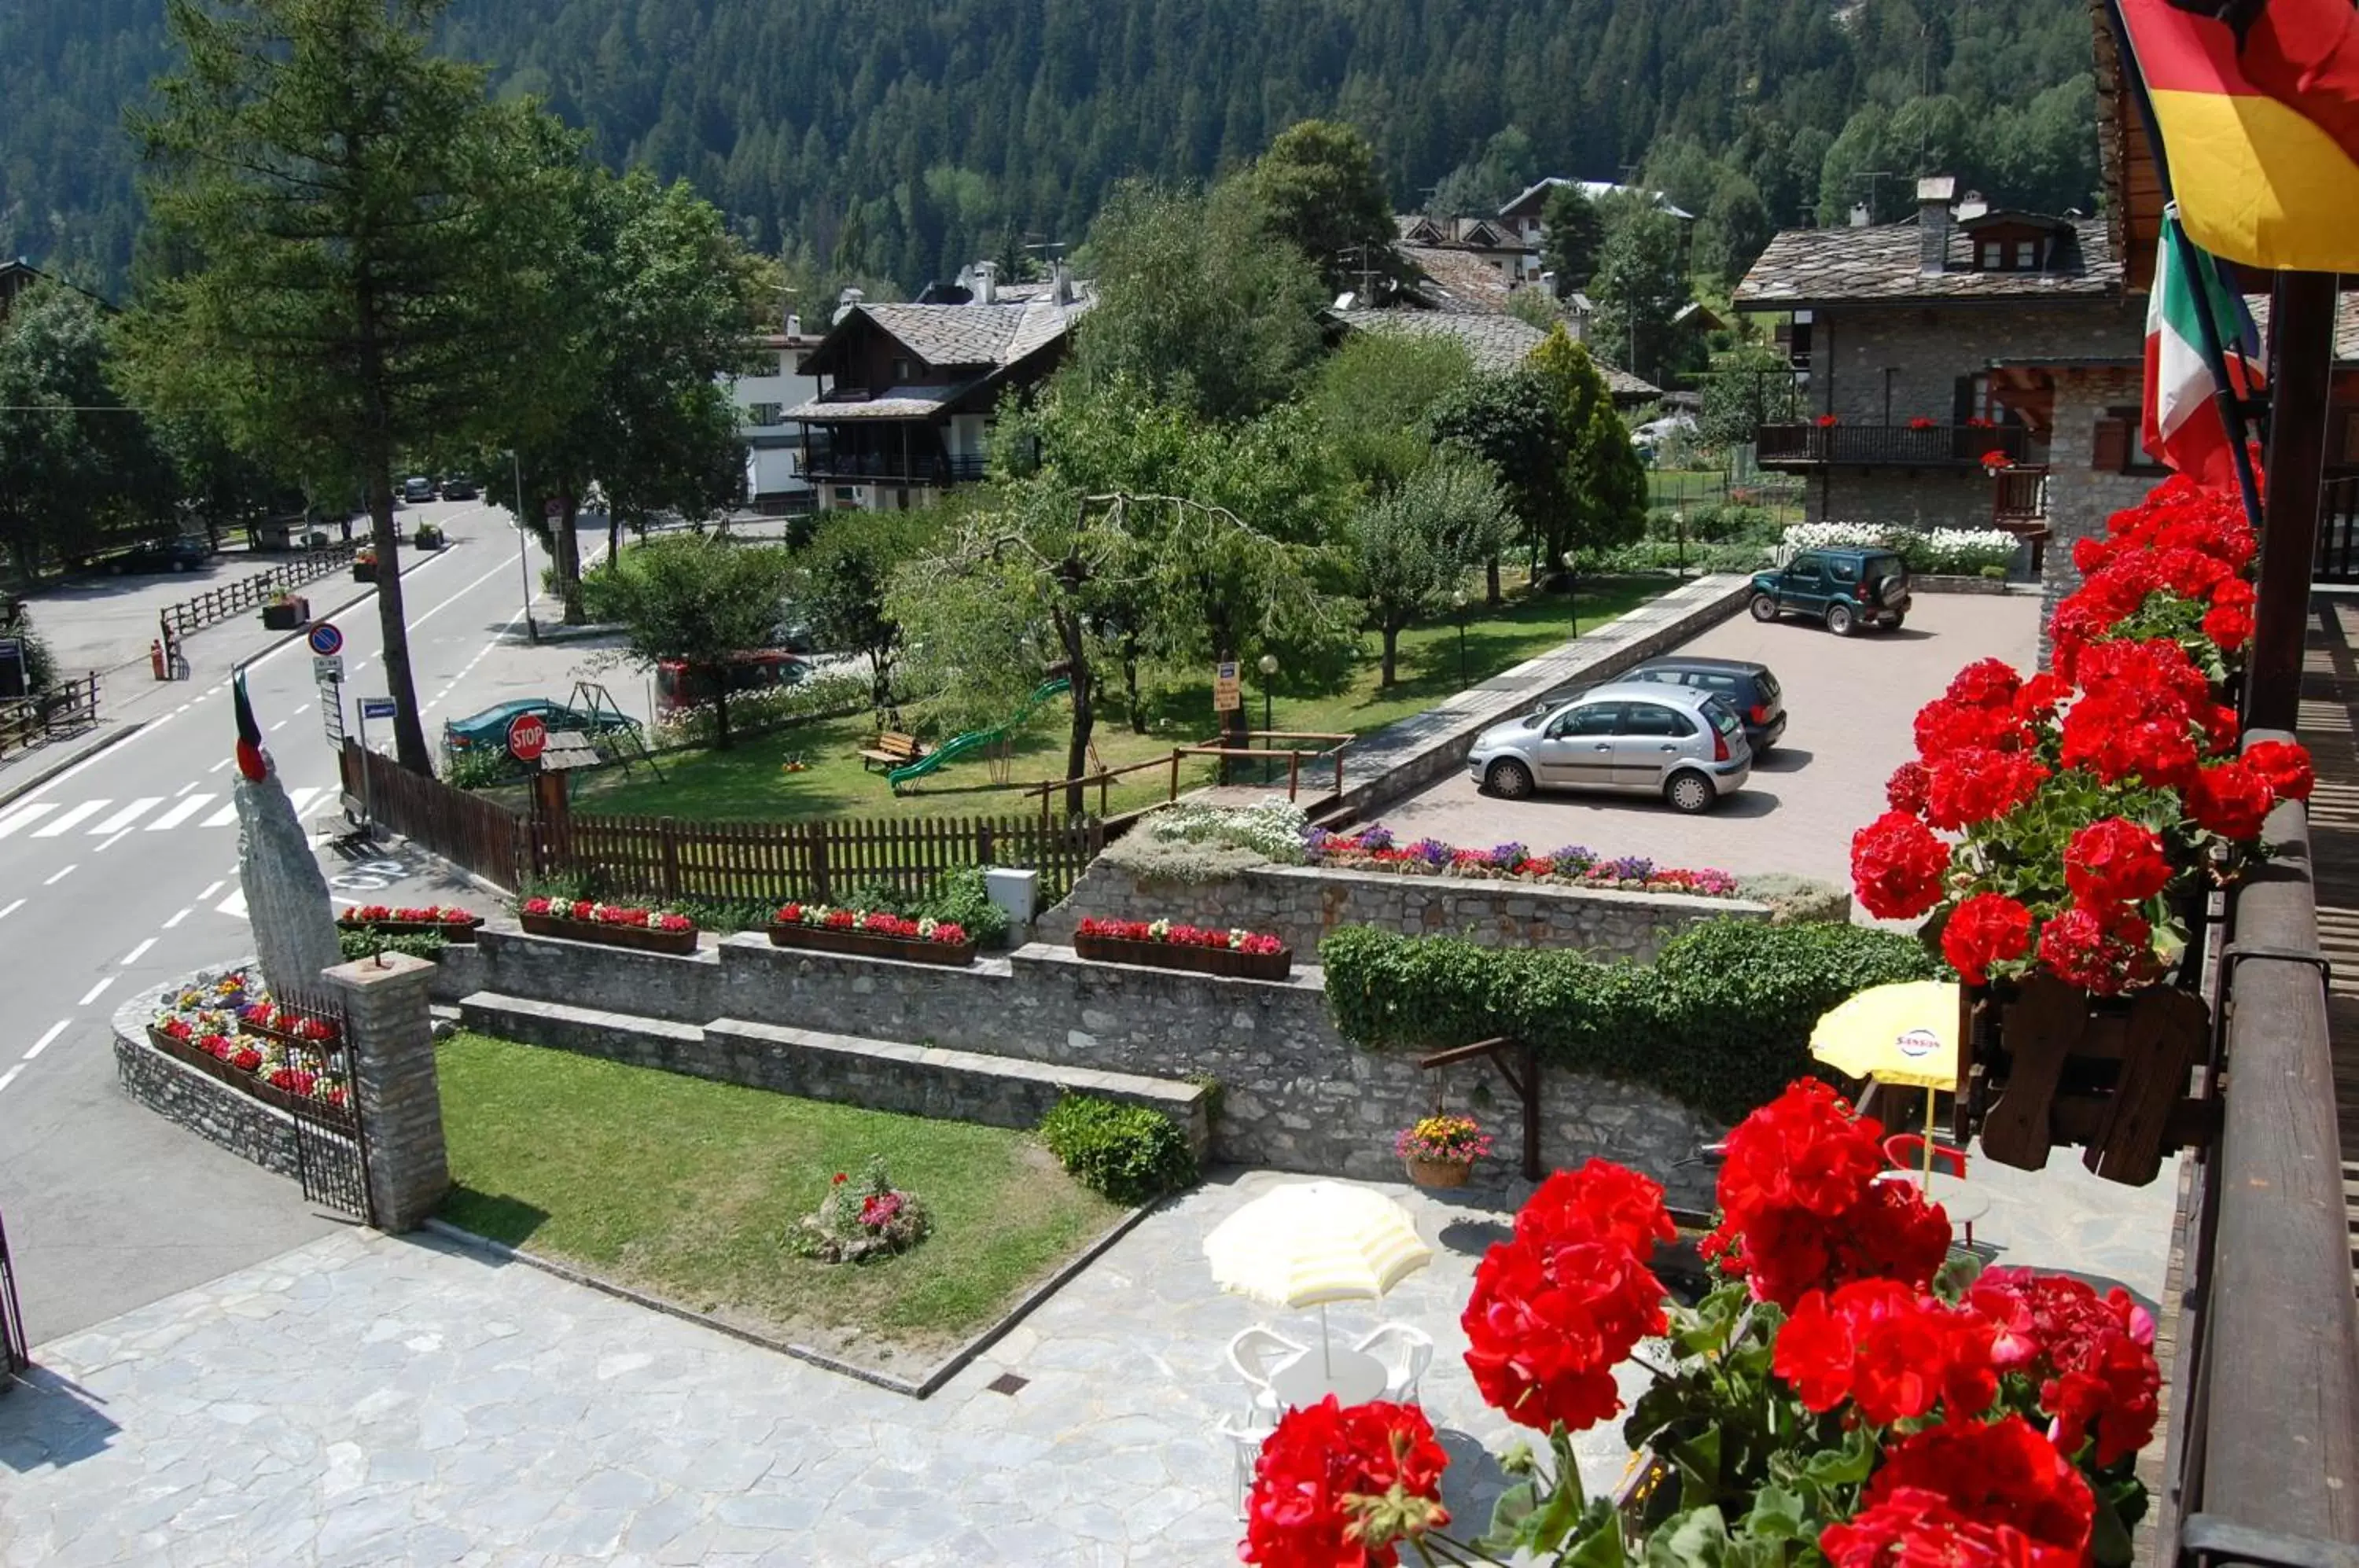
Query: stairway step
x=591 y=1031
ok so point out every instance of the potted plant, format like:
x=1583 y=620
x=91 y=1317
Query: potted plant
x=364 y=564
x=429 y=536
x=871 y=933
x=267 y=1020
x=1441 y=1150
x=609 y=925
x=1236 y=952
x=285 y=612
x=447 y=921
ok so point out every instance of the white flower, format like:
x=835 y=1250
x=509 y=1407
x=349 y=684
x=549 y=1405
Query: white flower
x=1159 y=930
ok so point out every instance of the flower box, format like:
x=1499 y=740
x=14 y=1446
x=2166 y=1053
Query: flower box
x=872 y=945
x=428 y=537
x=1439 y=1172
x=188 y=1052
x=1223 y=961
x=452 y=925
x=286 y=616
x=638 y=939
x=261 y=1030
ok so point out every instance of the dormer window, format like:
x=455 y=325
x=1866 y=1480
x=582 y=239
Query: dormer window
x=900 y=372
x=2027 y=255
x=1993 y=255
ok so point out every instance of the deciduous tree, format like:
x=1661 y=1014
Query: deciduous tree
x=1510 y=420
x=699 y=600
x=1371 y=398
x=1320 y=185
x=1414 y=545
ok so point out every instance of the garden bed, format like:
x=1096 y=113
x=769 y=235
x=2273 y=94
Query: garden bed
x=1188 y=956
x=644 y=935
x=450 y=925
x=872 y=945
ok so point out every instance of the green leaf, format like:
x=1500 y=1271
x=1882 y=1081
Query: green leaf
x=1697 y=1539
x=1777 y=1514
x=1509 y=1515
x=1846 y=1465
x=1698 y=1459
x=1956 y=1276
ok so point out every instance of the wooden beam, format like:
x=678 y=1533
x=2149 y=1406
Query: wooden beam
x=2301 y=352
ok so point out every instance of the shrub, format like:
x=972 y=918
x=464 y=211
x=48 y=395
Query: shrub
x=1721 y=1021
x=1996 y=573
x=1792 y=898
x=959 y=896
x=1156 y=860
x=1129 y=1153
x=365 y=944
x=1273 y=829
x=480 y=768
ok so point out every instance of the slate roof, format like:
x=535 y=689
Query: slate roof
x=899 y=403
x=1595 y=190
x=1496 y=342
x=1853 y=265
x=2346 y=324
x=984 y=339
x=1463 y=281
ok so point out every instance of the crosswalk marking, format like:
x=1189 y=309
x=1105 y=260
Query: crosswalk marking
x=222 y=818
x=180 y=813
x=298 y=798
x=74 y=814
x=24 y=816
x=128 y=815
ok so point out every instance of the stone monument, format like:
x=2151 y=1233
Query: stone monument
x=286 y=895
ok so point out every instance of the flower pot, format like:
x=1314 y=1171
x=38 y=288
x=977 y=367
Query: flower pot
x=1427 y=1173
x=460 y=932
x=364 y=571
x=638 y=939
x=300 y=1043
x=245 y=1083
x=1223 y=961
x=429 y=538
x=287 y=617
x=872 y=944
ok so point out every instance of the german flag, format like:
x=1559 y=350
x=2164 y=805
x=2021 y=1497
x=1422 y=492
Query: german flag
x=2258 y=103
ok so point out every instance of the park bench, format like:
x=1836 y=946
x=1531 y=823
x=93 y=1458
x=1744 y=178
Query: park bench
x=892 y=749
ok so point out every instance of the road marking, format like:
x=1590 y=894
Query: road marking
x=184 y=789
x=10 y=1076
x=300 y=799
x=12 y=908
x=180 y=813
x=211 y=889
x=74 y=814
x=179 y=710
x=55 y=1029
x=222 y=818
x=118 y=838
x=137 y=953
x=210 y=690
x=184 y=914
x=128 y=815
x=279 y=725
x=91 y=994
x=300 y=712
x=60 y=876
x=29 y=815
x=217 y=767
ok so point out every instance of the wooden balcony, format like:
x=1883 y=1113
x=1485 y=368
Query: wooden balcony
x=1802 y=447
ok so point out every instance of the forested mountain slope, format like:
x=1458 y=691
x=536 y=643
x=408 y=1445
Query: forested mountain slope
x=901 y=137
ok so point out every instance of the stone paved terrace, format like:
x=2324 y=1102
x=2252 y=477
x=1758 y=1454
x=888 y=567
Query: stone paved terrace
x=366 y=1400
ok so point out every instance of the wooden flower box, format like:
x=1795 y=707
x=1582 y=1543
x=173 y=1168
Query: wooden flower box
x=460 y=932
x=300 y=1043
x=289 y=616
x=1222 y=960
x=872 y=944
x=428 y=538
x=364 y=571
x=245 y=1083
x=638 y=939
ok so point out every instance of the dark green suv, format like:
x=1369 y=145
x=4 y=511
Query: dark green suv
x=1847 y=589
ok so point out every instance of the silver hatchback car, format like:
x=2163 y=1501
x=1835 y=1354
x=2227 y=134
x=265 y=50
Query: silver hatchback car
x=1642 y=738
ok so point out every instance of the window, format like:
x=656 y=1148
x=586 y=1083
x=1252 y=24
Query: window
x=763 y=415
x=2117 y=444
x=2027 y=255
x=847 y=494
x=900 y=372
x=1646 y=718
x=1993 y=255
x=1594 y=719
x=1843 y=571
x=1723 y=685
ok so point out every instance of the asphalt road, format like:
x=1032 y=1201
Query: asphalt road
x=122 y=873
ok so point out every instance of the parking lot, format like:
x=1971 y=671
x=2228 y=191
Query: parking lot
x=1849 y=703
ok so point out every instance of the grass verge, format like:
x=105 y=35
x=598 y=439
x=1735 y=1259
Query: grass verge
x=684 y=1189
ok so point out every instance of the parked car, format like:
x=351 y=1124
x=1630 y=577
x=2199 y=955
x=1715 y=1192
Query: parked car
x=1749 y=688
x=417 y=488
x=1847 y=589
x=1639 y=738
x=679 y=684
x=181 y=552
x=490 y=727
x=459 y=487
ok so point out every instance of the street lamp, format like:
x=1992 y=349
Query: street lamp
x=524 y=569
x=1679 y=523
x=1458 y=613
x=1571 y=590
x=1268 y=674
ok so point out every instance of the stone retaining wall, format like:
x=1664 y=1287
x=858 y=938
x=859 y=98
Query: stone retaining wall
x=1300 y=904
x=205 y=1105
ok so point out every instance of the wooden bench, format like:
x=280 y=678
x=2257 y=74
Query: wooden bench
x=891 y=750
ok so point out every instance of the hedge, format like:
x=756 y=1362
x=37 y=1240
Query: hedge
x=1129 y=1153
x=1719 y=1022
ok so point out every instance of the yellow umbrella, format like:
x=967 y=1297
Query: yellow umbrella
x=1310 y=1243
x=1904 y=1034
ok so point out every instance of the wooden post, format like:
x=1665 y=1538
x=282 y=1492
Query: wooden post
x=2301 y=342
x=1175 y=773
x=667 y=837
x=816 y=834
x=552 y=825
x=1293 y=773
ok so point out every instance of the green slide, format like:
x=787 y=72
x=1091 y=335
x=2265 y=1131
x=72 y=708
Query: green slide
x=957 y=747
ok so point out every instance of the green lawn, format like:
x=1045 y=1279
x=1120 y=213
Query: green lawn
x=747 y=783
x=684 y=1189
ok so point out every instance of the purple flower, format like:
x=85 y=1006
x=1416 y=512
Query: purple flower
x=1432 y=851
x=1507 y=857
x=1573 y=859
x=1375 y=836
x=1633 y=868
x=1314 y=843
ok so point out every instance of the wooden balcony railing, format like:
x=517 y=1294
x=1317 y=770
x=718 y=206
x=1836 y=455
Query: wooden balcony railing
x=1813 y=446
x=2020 y=498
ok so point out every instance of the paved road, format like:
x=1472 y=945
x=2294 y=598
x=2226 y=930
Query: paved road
x=121 y=872
x=1852 y=701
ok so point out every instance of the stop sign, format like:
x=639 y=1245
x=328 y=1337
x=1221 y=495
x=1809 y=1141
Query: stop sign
x=527 y=736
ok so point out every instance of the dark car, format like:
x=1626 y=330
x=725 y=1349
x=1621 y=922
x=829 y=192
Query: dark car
x=490 y=727
x=181 y=552
x=417 y=488
x=1747 y=687
x=459 y=487
x=1846 y=589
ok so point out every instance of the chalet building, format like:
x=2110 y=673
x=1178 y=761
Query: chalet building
x=774 y=476
x=905 y=392
x=1926 y=352
x=1523 y=214
x=1496 y=343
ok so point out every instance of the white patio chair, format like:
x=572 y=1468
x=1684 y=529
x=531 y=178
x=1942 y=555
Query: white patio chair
x=1257 y=1354
x=1245 y=1436
x=1405 y=1353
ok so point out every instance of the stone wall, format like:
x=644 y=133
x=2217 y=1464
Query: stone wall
x=2079 y=498
x=1295 y=1095
x=1301 y=905
x=205 y=1105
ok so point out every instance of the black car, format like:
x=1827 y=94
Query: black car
x=459 y=487
x=181 y=552
x=1748 y=688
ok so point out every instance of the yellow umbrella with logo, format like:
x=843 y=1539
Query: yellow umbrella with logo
x=1904 y=1034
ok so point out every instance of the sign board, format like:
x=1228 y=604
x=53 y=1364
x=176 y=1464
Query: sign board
x=12 y=666
x=379 y=707
x=567 y=749
x=554 y=511
x=1227 y=695
x=526 y=737
x=325 y=639
x=327 y=672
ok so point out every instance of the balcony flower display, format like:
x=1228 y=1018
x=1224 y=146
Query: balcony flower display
x=1828 y=421
x=1169 y=945
x=614 y=925
x=1997 y=461
x=1843 y=1395
x=1921 y=423
x=1441 y=1150
x=1574 y=865
x=874 y=933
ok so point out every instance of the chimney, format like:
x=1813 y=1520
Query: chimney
x=850 y=300
x=1860 y=216
x=1972 y=205
x=986 y=282
x=1933 y=194
x=1060 y=282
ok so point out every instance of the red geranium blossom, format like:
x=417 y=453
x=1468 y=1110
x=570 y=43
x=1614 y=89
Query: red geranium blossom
x=2101 y=950
x=2091 y=1357
x=2229 y=626
x=1987 y=928
x=1997 y=1474
x=1896 y=866
x=1912 y=1528
x=1338 y=1486
x=1906 y=790
x=2115 y=861
x=2231 y=799
x=2285 y=765
x=1890 y=1349
x=1975 y=784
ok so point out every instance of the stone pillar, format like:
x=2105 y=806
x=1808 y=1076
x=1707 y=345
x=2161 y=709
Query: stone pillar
x=390 y=1042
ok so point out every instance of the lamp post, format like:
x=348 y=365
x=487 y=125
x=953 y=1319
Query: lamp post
x=1268 y=674
x=1458 y=613
x=1679 y=525
x=1571 y=590
x=523 y=568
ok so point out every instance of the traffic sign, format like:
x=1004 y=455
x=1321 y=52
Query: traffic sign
x=327 y=672
x=527 y=736
x=325 y=639
x=379 y=707
x=1227 y=695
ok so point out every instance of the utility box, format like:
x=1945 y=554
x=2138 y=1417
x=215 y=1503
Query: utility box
x=1016 y=892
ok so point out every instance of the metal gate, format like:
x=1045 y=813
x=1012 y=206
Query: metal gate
x=331 y=1146
x=15 y=1354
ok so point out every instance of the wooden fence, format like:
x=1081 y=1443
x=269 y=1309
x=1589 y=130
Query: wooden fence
x=478 y=836
x=217 y=604
x=27 y=721
x=661 y=857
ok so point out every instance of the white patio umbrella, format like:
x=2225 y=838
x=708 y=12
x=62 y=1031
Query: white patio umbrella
x=1310 y=1243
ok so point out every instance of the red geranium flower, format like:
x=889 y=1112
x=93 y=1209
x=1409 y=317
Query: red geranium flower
x=2285 y=765
x=1912 y=1528
x=1336 y=1487
x=1907 y=788
x=2101 y=950
x=1890 y=1349
x=1921 y=423
x=1896 y=866
x=1828 y=421
x=2115 y=861
x=1998 y=1474
x=2228 y=626
x=1987 y=928
x=2092 y=1357
x=1985 y=683
x=2231 y=799
x=1975 y=784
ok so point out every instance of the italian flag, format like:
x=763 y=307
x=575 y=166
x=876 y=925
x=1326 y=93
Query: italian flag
x=2183 y=426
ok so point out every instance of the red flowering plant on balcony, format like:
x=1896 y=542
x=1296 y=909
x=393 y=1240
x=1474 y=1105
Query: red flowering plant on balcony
x=1845 y=1394
x=1997 y=461
x=1829 y=421
x=1921 y=423
x=2063 y=821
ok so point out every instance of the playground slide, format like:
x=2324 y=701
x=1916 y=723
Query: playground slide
x=959 y=745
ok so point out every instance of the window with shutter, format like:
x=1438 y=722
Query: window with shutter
x=2109 y=445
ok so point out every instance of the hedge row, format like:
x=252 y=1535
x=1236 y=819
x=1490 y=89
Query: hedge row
x=1719 y=1022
